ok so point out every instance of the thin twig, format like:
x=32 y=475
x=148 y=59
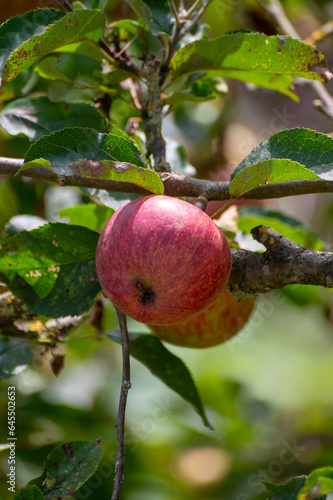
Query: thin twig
x=193 y=7
x=66 y=5
x=196 y=16
x=174 y=10
x=128 y=44
x=125 y=386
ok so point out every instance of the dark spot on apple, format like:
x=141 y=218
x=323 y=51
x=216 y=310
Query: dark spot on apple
x=146 y=294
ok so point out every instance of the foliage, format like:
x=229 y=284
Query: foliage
x=82 y=97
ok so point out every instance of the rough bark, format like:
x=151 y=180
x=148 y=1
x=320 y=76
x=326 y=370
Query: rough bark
x=283 y=263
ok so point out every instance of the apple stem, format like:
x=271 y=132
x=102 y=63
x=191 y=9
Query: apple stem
x=125 y=386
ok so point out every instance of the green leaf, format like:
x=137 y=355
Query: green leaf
x=118 y=171
x=150 y=351
x=23 y=83
x=318 y=482
x=308 y=147
x=74 y=27
x=70 y=145
x=38 y=116
x=84 y=152
x=267 y=61
x=30 y=493
x=268 y=172
x=138 y=34
x=14 y=356
x=18 y=29
x=89 y=215
x=200 y=91
x=67 y=467
x=52 y=268
x=287 y=491
x=83 y=49
x=71 y=68
x=293 y=229
x=154 y=13
x=142 y=10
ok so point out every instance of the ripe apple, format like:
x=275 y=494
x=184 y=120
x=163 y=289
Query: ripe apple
x=215 y=325
x=161 y=260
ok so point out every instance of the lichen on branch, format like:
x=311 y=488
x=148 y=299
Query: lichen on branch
x=283 y=263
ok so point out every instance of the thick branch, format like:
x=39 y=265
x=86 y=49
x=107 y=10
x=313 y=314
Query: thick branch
x=283 y=263
x=152 y=117
x=125 y=386
x=174 y=184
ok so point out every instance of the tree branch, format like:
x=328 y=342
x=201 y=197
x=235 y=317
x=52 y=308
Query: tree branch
x=125 y=386
x=152 y=116
x=177 y=185
x=283 y=263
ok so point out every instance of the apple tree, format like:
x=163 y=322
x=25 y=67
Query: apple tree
x=105 y=103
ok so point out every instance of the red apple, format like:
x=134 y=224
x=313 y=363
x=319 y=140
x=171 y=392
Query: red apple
x=161 y=260
x=215 y=325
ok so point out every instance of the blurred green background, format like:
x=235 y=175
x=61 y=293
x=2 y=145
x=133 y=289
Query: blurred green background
x=268 y=392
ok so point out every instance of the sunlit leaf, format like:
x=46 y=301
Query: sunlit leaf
x=18 y=29
x=308 y=147
x=318 y=482
x=88 y=215
x=267 y=61
x=52 y=268
x=73 y=27
x=117 y=171
x=268 y=172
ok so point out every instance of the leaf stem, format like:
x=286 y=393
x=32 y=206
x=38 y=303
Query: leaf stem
x=222 y=209
x=125 y=386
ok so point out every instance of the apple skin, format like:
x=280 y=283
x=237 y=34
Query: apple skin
x=161 y=260
x=218 y=323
